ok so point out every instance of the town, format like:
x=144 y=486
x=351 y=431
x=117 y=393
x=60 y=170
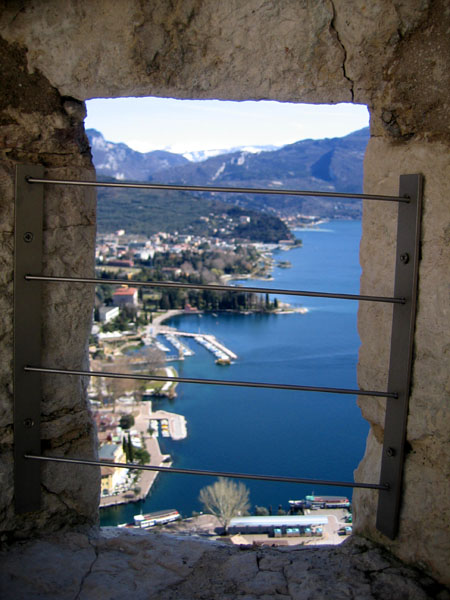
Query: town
x=128 y=336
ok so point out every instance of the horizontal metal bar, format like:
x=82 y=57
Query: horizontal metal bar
x=247 y=384
x=207 y=188
x=96 y=463
x=217 y=288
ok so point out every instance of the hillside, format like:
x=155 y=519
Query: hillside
x=334 y=164
x=147 y=212
x=327 y=165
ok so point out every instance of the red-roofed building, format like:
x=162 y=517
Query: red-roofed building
x=125 y=296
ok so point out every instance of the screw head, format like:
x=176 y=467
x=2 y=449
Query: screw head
x=28 y=423
x=390 y=452
x=28 y=237
x=404 y=258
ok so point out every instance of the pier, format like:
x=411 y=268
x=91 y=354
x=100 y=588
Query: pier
x=210 y=342
x=182 y=349
x=172 y=425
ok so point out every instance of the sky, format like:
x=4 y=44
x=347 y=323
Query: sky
x=146 y=124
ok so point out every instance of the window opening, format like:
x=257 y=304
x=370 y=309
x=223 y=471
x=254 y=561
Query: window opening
x=398 y=300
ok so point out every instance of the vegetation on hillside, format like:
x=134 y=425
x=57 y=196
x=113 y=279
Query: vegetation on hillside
x=146 y=212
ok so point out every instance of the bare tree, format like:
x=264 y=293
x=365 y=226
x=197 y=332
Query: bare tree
x=117 y=386
x=154 y=357
x=225 y=499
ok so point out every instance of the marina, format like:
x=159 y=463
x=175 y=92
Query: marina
x=222 y=354
x=211 y=343
x=182 y=349
x=169 y=424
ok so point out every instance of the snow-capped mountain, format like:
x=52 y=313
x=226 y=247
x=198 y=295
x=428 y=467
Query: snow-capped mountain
x=201 y=155
x=121 y=162
x=334 y=164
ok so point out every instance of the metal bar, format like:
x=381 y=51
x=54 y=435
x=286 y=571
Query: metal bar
x=27 y=338
x=400 y=367
x=217 y=288
x=206 y=188
x=247 y=384
x=96 y=463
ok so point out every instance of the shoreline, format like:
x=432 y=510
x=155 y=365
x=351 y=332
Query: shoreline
x=160 y=319
x=148 y=478
x=178 y=431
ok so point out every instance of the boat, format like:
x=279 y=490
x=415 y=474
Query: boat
x=329 y=501
x=223 y=361
x=159 y=517
x=314 y=502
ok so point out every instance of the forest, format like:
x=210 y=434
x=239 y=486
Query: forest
x=146 y=212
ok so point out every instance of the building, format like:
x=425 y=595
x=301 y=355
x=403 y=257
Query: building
x=108 y=313
x=112 y=479
x=276 y=524
x=125 y=296
x=120 y=262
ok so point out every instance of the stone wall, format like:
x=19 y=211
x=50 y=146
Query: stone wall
x=391 y=55
x=425 y=516
x=39 y=126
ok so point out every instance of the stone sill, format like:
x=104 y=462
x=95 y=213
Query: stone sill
x=116 y=564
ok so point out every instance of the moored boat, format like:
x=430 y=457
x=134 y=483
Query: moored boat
x=159 y=517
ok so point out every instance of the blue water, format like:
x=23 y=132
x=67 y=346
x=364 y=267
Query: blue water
x=287 y=433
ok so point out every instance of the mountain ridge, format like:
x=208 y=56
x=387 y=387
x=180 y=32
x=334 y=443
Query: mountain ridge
x=329 y=164
x=122 y=162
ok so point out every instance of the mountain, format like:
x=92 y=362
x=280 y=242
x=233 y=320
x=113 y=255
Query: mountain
x=201 y=155
x=331 y=164
x=334 y=164
x=121 y=162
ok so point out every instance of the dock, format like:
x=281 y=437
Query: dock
x=210 y=342
x=182 y=349
x=172 y=425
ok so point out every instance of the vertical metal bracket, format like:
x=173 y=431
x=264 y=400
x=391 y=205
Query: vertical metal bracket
x=402 y=341
x=27 y=337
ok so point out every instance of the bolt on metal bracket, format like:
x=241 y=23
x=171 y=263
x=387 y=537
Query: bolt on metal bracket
x=402 y=342
x=27 y=338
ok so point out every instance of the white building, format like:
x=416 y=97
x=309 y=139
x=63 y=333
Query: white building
x=108 y=313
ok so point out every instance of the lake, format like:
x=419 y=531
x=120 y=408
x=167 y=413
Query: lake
x=274 y=432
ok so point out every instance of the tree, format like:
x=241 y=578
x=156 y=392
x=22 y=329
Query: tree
x=126 y=421
x=118 y=386
x=225 y=499
x=141 y=456
x=130 y=449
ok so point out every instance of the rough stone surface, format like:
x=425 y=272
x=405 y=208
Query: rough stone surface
x=117 y=564
x=426 y=509
x=38 y=126
x=311 y=51
x=392 y=55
